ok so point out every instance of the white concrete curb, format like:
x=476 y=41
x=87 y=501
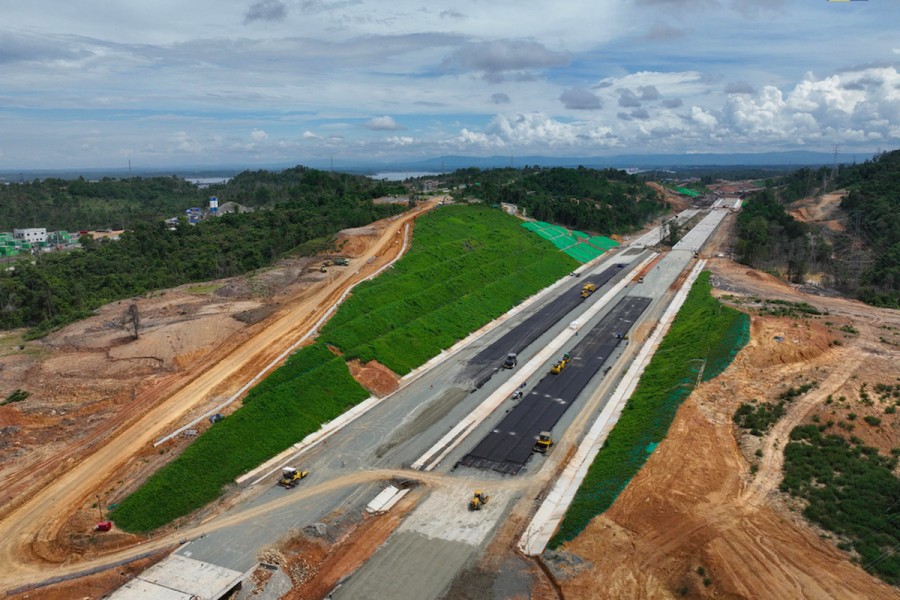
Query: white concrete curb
x=551 y=512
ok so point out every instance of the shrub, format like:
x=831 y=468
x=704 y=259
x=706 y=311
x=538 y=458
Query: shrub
x=850 y=490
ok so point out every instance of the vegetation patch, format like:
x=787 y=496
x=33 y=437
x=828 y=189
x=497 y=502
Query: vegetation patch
x=850 y=490
x=466 y=266
x=18 y=395
x=758 y=418
x=705 y=332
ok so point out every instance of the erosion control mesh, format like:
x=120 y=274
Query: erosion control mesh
x=567 y=241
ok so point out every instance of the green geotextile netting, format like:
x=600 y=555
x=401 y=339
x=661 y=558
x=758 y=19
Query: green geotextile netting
x=568 y=241
x=688 y=192
x=601 y=241
x=583 y=253
x=562 y=242
x=722 y=354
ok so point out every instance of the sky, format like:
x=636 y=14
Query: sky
x=163 y=84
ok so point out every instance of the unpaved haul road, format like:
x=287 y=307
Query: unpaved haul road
x=37 y=522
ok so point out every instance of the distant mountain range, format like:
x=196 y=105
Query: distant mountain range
x=624 y=161
x=439 y=164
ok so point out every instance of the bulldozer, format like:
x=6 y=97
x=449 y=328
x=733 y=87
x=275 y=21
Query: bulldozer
x=560 y=364
x=479 y=499
x=588 y=289
x=543 y=443
x=291 y=477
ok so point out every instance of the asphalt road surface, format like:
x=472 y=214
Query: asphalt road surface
x=509 y=446
x=485 y=364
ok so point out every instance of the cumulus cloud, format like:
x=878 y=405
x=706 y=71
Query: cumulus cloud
x=258 y=135
x=309 y=135
x=404 y=140
x=739 y=87
x=628 y=99
x=500 y=98
x=580 y=99
x=703 y=118
x=266 y=10
x=649 y=92
x=538 y=131
x=498 y=58
x=384 y=123
x=672 y=102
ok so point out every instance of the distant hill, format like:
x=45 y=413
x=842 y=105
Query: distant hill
x=795 y=158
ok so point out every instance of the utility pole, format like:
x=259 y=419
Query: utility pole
x=834 y=163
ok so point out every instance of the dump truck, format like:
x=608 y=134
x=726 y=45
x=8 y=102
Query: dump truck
x=588 y=289
x=511 y=361
x=291 y=477
x=543 y=443
x=560 y=364
x=479 y=499
x=341 y=262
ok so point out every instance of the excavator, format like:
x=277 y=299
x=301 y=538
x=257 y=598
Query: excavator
x=479 y=499
x=560 y=364
x=543 y=443
x=291 y=477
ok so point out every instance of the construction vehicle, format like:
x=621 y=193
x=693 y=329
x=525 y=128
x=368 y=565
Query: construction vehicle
x=543 y=443
x=560 y=364
x=588 y=289
x=102 y=524
x=479 y=499
x=511 y=361
x=341 y=262
x=291 y=477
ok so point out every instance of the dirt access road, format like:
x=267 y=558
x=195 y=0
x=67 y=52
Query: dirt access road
x=29 y=533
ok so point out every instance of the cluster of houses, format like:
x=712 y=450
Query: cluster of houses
x=35 y=239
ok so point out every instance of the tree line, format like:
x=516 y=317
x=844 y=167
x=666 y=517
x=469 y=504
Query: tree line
x=53 y=289
x=862 y=261
x=113 y=203
x=602 y=201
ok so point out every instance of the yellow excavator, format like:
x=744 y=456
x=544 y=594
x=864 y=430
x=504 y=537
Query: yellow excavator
x=560 y=364
x=291 y=477
x=479 y=499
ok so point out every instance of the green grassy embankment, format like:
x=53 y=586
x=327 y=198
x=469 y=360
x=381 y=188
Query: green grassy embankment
x=705 y=334
x=466 y=266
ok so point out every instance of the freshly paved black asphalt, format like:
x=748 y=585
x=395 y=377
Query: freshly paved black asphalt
x=508 y=447
x=486 y=362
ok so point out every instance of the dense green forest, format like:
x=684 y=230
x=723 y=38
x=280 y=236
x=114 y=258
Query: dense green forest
x=111 y=203
x=57 y=288
x=601 y=201
x=769 y=237
x=863 y=261
x=873 y=209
